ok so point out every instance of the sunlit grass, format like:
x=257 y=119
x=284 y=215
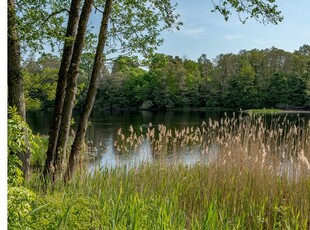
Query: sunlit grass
x=176 y=197
x=263 y=111
x=259 y=179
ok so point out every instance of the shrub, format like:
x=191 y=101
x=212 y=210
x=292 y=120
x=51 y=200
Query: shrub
x=38 y=156
x=19 y=137
x=20 y=201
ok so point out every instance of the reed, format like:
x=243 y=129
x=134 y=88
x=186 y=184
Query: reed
x=278 y=144
x=259 y=179
x=175 y=197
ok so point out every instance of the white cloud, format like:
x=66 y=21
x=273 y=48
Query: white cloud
x=233 y=37
x=194 y=31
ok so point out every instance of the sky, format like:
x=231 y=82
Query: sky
x=207 y=32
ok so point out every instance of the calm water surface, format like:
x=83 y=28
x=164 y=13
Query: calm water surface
x=104 y=126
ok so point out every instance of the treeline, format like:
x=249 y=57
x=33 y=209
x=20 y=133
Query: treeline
x=269 y=78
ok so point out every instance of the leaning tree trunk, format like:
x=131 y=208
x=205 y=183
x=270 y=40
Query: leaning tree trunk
x=51 y=156
x=15 y=78
x=91 y=94
x=72 y=79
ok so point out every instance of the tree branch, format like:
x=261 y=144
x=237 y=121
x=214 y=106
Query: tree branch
x=53 y=14
x=97 y=9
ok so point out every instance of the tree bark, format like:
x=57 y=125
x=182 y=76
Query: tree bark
x=72 y=79
x=52 y=158
x=91 y=94
x=15 y=78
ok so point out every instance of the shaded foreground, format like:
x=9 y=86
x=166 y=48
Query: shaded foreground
x=260 y=179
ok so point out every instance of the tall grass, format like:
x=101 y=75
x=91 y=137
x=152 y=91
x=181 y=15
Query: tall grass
x=278 y=143
x=259 y=180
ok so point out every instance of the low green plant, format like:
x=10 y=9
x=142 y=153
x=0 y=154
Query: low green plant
x=20 y=207
x=38 y=156
x=19 y=139
x=20 y=199
x=161 y=196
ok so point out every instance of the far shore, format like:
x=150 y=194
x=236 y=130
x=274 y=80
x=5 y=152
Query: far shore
x=275 y=111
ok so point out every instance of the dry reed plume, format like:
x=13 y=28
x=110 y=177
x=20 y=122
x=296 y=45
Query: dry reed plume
x=280 y=145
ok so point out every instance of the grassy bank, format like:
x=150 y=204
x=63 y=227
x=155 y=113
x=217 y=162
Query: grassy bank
x=259 y=179
x=218 y=196
x=263 y=111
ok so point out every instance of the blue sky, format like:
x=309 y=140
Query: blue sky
x=207 y=32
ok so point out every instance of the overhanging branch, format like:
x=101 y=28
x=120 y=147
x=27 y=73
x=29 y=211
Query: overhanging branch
x=53 y=14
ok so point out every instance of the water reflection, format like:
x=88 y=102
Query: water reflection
x=104 y=127
x=111 y=159
x=144 y=154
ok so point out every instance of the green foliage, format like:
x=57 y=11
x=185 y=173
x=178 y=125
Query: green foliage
x=32 y=103
x=270 y=78
x=15 y=174
x=251 y=79
x=38 y=156
x=41 y=22
x=62 y=210
x=136 y=25
x=263 y=11
x=40 y=88
x=175 y=197
x=20 y=199
x=19 y=137
x=40 y=81
x=20 y=207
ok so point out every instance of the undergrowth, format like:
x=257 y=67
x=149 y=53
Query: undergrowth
x=259 y=179
x=174 y=197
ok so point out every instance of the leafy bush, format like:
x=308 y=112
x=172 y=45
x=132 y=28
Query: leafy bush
x=33 y=103
x=19 y=137
x=20 y=199
x=20 y=202
x=38 y=156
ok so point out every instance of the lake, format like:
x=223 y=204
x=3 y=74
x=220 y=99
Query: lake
x=105 y=126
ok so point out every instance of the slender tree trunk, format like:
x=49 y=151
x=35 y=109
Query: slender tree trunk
x=72 y=78
x=91 y=94
x=15 y=78
x=51 y=155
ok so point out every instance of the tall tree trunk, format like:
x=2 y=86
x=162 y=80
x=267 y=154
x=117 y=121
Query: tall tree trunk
x=15 y=78
x=72 y=79
x=91 y=94
x=51 y=156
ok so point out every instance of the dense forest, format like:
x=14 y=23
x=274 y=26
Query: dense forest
x=269 y=78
